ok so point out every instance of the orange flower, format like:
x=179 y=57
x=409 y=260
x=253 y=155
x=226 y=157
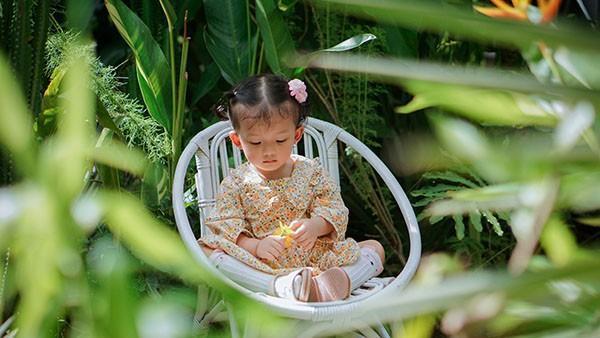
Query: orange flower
x=286 y=232
x=518 y=11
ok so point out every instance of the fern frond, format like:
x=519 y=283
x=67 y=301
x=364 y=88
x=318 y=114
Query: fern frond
x=442 y=193
x=489 y=216
x=450 y=176
x=435 y=190
x=459 y=226
x=475 y=220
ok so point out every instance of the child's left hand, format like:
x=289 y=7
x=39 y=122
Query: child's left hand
x=306 y=232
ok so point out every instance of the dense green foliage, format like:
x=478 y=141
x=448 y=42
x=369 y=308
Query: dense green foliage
x=490 y=125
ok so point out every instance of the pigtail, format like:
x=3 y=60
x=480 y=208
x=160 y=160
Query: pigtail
x=223 y=106
x=303 y=112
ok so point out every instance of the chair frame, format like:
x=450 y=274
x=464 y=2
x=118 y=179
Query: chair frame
x=209 y=144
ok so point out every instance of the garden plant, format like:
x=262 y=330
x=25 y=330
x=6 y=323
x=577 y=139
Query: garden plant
x=486 y=112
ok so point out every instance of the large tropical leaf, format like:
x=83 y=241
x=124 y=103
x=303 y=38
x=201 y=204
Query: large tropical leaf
x=275 y=34
x=229 y=38
x=151 y=64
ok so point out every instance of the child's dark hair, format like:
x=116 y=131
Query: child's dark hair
x=257 y=98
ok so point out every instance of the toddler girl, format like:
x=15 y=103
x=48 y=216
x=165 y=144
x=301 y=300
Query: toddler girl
x=277 y=188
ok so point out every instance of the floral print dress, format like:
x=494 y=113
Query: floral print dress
x=252 y=205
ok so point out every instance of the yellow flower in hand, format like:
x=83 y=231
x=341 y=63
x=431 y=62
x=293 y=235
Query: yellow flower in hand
x=284 y=231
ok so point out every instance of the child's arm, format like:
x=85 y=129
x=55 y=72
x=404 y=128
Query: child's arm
x=268 y=248
x=306 y=231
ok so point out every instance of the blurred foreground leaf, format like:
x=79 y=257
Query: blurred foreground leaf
x=477 y=291
x=443 y=17
x=421 y=75
x=16 y=132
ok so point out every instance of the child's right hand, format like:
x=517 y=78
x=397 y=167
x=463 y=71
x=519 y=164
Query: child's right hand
x=270 y=247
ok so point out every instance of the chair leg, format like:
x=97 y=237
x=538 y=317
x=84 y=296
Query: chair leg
x=369 y=332
x=251 y=330
x=233 y=323
x=383 y=332
x=202 y=321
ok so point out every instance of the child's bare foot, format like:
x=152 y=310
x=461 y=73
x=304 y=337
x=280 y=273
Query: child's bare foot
x=332 y=284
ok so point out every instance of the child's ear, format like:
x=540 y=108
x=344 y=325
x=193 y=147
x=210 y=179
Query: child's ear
x=298 y=134
x=235 y=139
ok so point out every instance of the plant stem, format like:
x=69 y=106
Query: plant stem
x=178 y=122
x=174 y=112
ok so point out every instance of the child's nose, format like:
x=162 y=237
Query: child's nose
x=269 y=150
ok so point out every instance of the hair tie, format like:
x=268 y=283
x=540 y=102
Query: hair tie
x=298 y=90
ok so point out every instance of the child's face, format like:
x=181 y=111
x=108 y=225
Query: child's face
x=268 y=146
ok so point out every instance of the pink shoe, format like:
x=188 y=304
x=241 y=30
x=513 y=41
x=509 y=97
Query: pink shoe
x=333 y=284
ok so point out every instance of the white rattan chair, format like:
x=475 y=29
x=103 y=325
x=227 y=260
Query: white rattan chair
x=213 y=161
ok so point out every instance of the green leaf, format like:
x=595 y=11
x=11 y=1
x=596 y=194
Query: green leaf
x=151 y=64
x=463 y=139
x=558 y=242
x=143 y=234
x=401 y=42
x=114 y=298
x=482 y=105
x=435 y=190
x=459 y=226
x=475 y=220
x=351 y=43
x=40 y=225
x=491 y=193
x=275 y=35
x=117 y=155
x=169 y=12
x=449 y=176
x=427 y=77
x=16 y=132
x=66 y=156
x=426 y=201
x=106 y=120
x=229 y=38
x=578 y=68
x=591 y=221
x=208 y=80
x=155 y=185
x=284 y=5
x=493 y=221
x=579 y=189
x=430 y=15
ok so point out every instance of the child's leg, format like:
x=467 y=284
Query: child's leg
x=337 y=283
x=369 y=264
x=294 y=285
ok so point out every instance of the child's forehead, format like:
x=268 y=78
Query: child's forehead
x=275 y=125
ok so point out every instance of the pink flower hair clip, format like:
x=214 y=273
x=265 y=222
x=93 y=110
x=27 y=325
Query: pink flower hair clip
x=298 y=90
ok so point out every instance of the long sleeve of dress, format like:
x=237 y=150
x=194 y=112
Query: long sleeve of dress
x=328 y=203
x=227 y=218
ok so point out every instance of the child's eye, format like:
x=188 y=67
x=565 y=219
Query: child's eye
x=254 y=143
x=281 y=141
